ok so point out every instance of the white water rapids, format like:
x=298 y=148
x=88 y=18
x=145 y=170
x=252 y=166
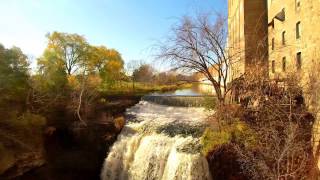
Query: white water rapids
x=158 y=143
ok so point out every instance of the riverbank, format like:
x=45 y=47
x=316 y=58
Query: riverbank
x=68 y=150
x=72 y=152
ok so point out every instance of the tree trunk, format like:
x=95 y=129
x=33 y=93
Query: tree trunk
x=80 y=102
x=217 y=89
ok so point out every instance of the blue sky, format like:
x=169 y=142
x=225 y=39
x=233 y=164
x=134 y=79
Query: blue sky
x=130 y=26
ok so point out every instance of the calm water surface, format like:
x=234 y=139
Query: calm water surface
x=195 y=90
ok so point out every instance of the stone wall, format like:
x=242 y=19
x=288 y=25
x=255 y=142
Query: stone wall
x=284 y=56
x=307 y=13
x=247 y=39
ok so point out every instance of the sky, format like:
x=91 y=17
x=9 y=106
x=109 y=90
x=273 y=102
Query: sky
x=130 y=26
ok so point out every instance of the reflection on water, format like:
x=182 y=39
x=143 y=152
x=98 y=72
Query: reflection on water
x=195 y=90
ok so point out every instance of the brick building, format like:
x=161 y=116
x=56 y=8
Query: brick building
x=247 y=32
x=282 y=34
x=294 y=36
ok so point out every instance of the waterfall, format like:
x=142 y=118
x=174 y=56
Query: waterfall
x=158 y=143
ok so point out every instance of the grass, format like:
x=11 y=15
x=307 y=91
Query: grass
x=237 y=132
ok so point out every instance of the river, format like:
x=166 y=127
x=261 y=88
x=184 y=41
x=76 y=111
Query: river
x=194 y=90
x=159 y=142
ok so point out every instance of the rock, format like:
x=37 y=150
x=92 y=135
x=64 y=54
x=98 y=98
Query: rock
x=119 y=122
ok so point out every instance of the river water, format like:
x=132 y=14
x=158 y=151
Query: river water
x=195 y=90
x=159 y=142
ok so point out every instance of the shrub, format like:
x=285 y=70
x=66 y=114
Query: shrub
x=33 y=120
x=276 y=113
x=211 y=139
x=27 y=119
x=223 y=164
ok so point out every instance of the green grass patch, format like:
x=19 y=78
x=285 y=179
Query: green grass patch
x=238 y=132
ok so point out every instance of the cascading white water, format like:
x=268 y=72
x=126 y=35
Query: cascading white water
x=158 y=143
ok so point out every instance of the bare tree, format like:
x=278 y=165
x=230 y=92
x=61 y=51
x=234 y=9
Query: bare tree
x=144 y=73
x=130 y=68
x=313 y=101
x=199 y=45
x=282 y=128
x=84 y=94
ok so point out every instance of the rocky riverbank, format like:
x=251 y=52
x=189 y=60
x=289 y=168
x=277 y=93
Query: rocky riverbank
x=71 y=151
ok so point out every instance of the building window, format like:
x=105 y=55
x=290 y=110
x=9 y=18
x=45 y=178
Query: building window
x=299 y=61
x=284 y=64
x=298 y=33
x=298 y=3
x=284 y=38
x=272 y=44
x=273 y=66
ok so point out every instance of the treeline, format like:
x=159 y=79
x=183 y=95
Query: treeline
x=70 y=78
x=20 y=127
x=71 y=73
x=74 y=72
x=147 y=74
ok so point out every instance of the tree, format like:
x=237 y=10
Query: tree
x=108 y=63
x=143 y=74
x=200 y=45
x=130 y=68
x=13 y=74
x=281 y=129
x=67 y=51
x=101 y=56
x=167 y=78
x=312 y=97
x=66 y=55
x=72 y=67
x=52 y=73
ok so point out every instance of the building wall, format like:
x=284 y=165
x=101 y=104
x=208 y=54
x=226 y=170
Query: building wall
x=308 y=14
x=256 y=23
x=248 y=28
x=249 y=34
x=308 y=43
x=236 y=40
x=247 y=38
